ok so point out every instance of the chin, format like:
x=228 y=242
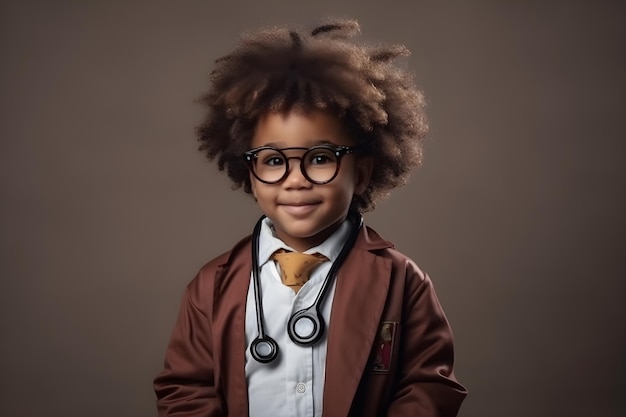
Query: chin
x=301 y=232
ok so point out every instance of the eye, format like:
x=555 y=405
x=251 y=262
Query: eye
x=271 y=159
x=321 y=157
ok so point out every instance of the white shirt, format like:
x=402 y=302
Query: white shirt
x=293 y=384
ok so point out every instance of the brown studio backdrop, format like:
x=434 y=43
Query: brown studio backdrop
x=107 y=210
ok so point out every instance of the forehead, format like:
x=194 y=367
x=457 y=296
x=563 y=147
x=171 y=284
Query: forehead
x=299 y=129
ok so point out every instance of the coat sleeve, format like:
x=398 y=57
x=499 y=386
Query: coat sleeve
x=426 y=385
x=186 y=386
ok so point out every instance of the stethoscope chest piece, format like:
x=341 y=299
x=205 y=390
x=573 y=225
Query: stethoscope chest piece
x=306 y=327
x=264 y=349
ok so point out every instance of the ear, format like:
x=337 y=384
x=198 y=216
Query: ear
x=363 y=173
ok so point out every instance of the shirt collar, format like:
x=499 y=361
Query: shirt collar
x=270 y=243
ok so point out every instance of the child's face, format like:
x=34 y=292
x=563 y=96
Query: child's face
x=305 y=214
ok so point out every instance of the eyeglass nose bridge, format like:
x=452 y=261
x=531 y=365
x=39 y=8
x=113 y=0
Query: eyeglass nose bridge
x=302 y=169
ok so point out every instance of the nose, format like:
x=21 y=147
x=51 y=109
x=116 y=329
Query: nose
x=295 y=178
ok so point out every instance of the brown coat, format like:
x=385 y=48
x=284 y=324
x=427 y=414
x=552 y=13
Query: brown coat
x=204 y=365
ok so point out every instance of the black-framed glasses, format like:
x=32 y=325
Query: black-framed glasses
x=319 y=164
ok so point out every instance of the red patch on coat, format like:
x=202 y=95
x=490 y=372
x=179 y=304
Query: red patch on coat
x=383 y=347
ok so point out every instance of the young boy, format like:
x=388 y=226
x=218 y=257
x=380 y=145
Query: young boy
x=317 y=128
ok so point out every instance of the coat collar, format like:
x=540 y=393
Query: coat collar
x=369 y=240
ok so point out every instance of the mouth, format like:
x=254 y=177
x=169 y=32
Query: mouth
x=299 y=208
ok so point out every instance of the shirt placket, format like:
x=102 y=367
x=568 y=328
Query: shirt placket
x=300 y=365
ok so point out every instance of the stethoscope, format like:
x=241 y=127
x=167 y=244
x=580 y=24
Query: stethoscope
x=306 y=326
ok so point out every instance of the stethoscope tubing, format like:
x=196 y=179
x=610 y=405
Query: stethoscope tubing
x=264 y=349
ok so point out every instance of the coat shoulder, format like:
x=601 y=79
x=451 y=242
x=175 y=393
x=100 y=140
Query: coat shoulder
x=401 y=263
x=204 y=281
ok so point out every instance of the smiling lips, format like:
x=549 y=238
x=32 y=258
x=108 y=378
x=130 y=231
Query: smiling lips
x=299 y=209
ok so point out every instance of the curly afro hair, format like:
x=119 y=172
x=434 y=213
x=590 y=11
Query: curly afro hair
x=282 y=70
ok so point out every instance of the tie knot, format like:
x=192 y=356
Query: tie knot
x=296 y=267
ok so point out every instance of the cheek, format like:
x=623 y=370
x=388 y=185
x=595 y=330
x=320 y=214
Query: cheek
x=344 y=189
x=351 y=180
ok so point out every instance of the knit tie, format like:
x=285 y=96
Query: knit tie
x=296 y=267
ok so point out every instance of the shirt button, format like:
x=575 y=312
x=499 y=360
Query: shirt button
x=300 y=388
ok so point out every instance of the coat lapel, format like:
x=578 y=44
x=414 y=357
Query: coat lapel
x=229 y=309
x=361 y=291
